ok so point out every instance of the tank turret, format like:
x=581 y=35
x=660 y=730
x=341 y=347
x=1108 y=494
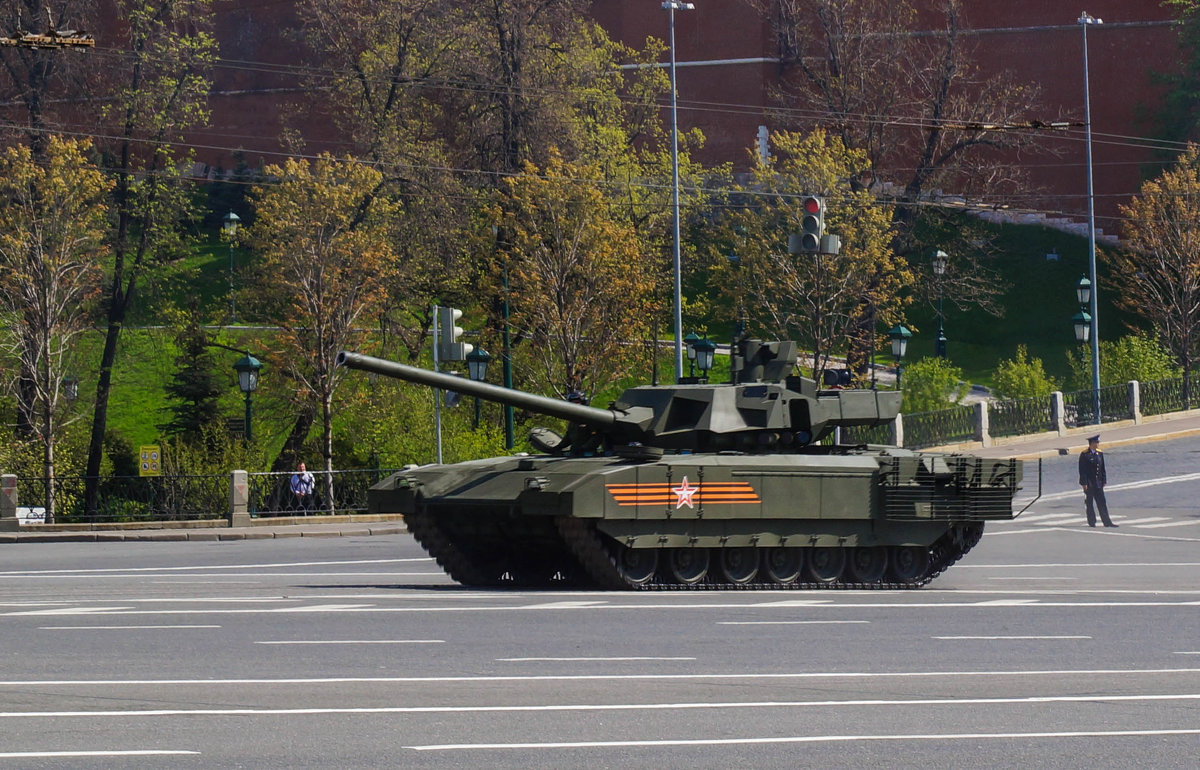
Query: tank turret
x=766 y=409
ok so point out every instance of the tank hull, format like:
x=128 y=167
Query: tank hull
x=877 y=517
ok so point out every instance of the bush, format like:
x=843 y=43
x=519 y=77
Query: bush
x=1133 y=357
x=932 y=384
x=1022 y=377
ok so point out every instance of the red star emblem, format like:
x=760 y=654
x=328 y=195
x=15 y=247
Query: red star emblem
x=684 y=494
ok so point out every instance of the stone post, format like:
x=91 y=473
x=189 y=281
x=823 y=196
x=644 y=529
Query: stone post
x=981 y=423
x=239 y=499
x=897 y=431
x=1058 y=412
x=1135 y=401
x=8 y=504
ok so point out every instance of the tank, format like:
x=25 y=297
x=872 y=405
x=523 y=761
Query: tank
x=738 y=485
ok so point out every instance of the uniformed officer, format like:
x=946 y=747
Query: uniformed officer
x=1092 y=477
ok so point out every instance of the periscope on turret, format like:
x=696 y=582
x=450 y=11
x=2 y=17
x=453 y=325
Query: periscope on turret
x=700 y=485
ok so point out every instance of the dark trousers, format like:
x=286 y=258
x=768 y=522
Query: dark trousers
x=1095 y=499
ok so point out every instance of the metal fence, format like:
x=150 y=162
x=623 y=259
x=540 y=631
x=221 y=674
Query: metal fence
x=131 y=498
x=1081 y=410
x=1162 y=396
x=271 y=495
x=1020 y=417
x=945 y=426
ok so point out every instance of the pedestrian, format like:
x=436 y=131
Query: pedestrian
x=1093 y=477
x=302 y=488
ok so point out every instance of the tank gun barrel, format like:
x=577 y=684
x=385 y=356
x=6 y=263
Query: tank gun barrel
x=588 y=415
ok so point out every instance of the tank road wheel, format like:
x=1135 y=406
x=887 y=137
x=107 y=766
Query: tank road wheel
x=687 y=565
x=825 y=564
x=868 y=564
x=636 y=566
x=738 y=565
x=909 y=563
x=783 y=565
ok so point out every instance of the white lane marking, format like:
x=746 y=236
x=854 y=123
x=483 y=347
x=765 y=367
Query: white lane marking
x=120 y=628
x=365 y=609
x=1143 y=521
x=1188 y=652
x=1073 y=493
x=980 y=638
x=1028 y=577
x=798 y=739
x=583 y=660
x=602 y=677
x=1080 y=564
x=1184 y=523
x=564 y=605
x=1044 y=518
x=787 y=622
x=555 y=707
x=357 y=641
x=65 y=754
x=265 y=565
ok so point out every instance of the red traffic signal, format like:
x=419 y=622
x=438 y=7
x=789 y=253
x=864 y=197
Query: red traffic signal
x=812 y=223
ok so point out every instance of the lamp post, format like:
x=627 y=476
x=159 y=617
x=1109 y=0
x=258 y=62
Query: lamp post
x=477 y=364
x=899 y=336
x=229 y=227
x=672 y=6
x=940 y=258
x=70 y=388
x=247 y=368
x=1086 y=21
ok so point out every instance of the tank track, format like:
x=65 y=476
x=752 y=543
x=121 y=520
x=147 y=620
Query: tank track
x=590 y=562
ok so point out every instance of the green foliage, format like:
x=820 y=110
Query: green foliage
x=1022 y=377
x=932 y=384
x=195 y=387
x=1133 y=357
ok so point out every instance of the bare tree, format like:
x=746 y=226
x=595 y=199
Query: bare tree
x=52 y=223
x=1160 y=268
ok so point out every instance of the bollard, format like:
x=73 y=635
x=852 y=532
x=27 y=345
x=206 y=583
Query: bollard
x=239 y=499
x=8 y=504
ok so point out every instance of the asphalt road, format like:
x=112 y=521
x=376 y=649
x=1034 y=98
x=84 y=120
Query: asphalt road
x=1051 y=644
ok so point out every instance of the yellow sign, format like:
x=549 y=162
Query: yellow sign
x=151 y=461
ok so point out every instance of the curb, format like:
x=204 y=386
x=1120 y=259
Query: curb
x=209 y=535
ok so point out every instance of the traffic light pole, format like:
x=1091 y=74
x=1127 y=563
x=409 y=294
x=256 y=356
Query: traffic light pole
x=437 y=393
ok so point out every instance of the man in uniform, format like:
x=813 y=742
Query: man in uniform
x=1092 y=477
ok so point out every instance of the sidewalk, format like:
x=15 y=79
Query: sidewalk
x=216 y=529
x=1159 y=428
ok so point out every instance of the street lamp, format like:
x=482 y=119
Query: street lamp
x=477 y=364
x=940 y=258
x=1086 y=21
x=899 y=336
x=1083 y=326
x=247 y=368
x=690 y=348
x=229 y=227
x=673 y=6
x=705 y=349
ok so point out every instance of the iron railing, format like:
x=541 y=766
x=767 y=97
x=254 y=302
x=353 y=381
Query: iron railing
x=1162 y=396
x=945 y=426
x=1020 y=417
x=271 y=495
x=131 y=498
x=1080 y=406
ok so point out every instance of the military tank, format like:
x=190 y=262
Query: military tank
x=739 y=485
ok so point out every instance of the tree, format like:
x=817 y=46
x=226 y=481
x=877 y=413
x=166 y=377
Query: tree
x=1160 y=266
x=195 y=389
x=1022 y=377
x=158 y=89
x=52 y=218
x=326 y=260
x=915 y=103
x=580 y=290
x=812 y=298
x=932 y=384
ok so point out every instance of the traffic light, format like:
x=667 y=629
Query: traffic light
x=449 y=348
x=812 y=222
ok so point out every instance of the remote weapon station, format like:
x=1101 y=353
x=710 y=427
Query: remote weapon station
x=699 y=486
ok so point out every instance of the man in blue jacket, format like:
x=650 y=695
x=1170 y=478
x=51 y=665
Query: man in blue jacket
x=1092 y=477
